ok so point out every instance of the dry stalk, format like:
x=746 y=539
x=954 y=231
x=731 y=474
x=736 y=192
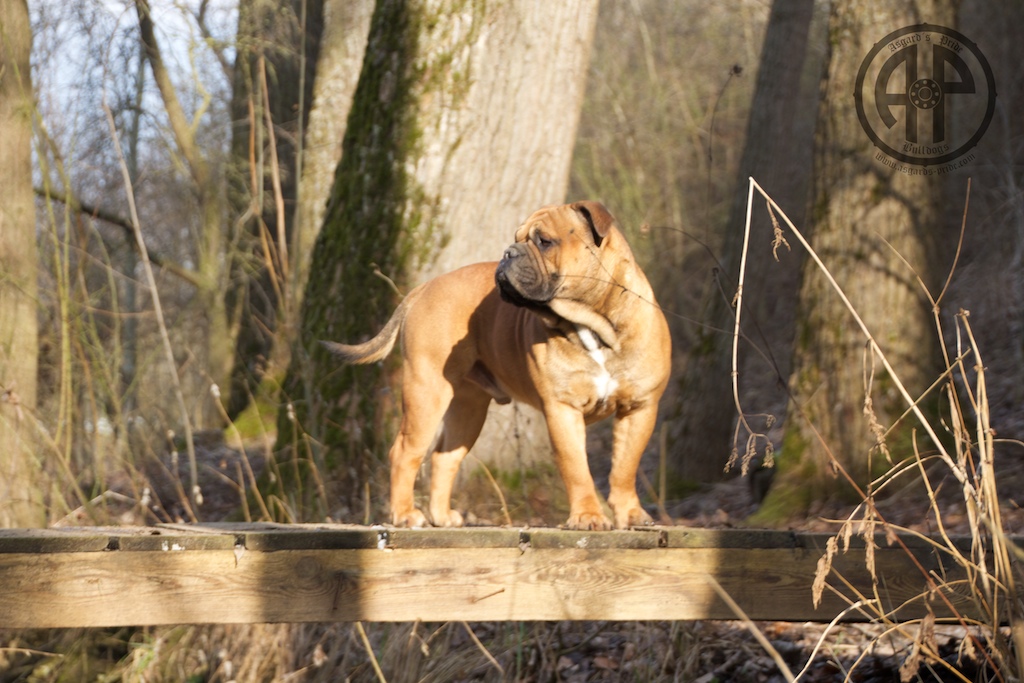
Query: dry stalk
x=751 y=446
x=754 y=630
x=275 y=177
x=497 y=489
x=476 y=641
x=215 y=391
x=369 y=651
x=1002 y=548
x=738 y=300
x=65 y=405
x=990 y=579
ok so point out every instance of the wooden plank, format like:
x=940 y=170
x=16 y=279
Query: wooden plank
x=51 y=540
x=298 y=573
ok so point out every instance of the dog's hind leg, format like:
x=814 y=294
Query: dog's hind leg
x=423 y=406
x=462 y=424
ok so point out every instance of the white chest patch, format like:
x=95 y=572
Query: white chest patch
x=604 y=383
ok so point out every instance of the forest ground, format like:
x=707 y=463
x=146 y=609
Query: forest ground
x=664 y=651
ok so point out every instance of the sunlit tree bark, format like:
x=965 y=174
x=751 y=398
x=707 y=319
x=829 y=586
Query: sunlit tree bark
x=346 y=27
x=20 y=498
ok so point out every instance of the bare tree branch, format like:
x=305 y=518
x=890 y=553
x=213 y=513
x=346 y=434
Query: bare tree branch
x=215 y=45
x=175 y=114
x=123 y=223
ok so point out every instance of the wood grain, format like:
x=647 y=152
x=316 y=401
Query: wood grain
x=284 y=573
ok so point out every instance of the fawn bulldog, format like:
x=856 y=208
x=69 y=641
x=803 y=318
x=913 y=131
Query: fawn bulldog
x=565 y=322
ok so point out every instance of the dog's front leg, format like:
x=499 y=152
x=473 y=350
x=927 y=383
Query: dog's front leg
x=631 y=433
x=569 y=441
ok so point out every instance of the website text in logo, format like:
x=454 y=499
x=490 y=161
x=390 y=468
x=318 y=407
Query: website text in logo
x=911 y=85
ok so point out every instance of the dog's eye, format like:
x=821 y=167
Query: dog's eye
x=542 y=242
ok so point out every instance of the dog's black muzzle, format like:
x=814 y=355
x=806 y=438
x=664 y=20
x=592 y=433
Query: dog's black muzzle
x=519 y=280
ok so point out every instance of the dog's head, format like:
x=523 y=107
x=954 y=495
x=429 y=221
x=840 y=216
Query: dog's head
x=557 y=254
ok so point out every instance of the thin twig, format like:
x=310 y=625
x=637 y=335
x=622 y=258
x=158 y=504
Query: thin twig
x=196 y=494
x=486 y=653
x=754 y=630
x=959 y=247
x=821 y=640
x=275 y=174
x=369 y=651
x=125 y=224
x=501 y=496
x=739 y=308
x=215 y=390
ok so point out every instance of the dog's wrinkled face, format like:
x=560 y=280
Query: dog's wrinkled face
x=552 y=242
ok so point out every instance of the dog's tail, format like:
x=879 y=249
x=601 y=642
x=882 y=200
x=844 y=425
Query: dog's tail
x=379 y=347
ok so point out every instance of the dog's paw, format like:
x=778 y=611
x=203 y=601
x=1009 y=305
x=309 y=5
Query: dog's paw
x=449 y=518
x=588 y=521
x=634 y=516
x=412 y=518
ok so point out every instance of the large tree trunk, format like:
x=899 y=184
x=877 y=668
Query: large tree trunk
x=277 y=48
x=19 y=490
x=463 y=123
x=868 y=220
x=346 y=27
x=777 y=153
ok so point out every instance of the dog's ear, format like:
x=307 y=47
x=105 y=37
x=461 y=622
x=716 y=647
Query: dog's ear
x=597 y=217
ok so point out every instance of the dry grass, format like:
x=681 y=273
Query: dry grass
x=993 y=643
x=655 y=652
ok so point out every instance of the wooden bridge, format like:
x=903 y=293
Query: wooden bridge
x=251 y=573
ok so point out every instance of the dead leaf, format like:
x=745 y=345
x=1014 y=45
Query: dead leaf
x=824 y=567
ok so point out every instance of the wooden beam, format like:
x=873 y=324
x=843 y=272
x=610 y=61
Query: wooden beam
x=224 y=573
